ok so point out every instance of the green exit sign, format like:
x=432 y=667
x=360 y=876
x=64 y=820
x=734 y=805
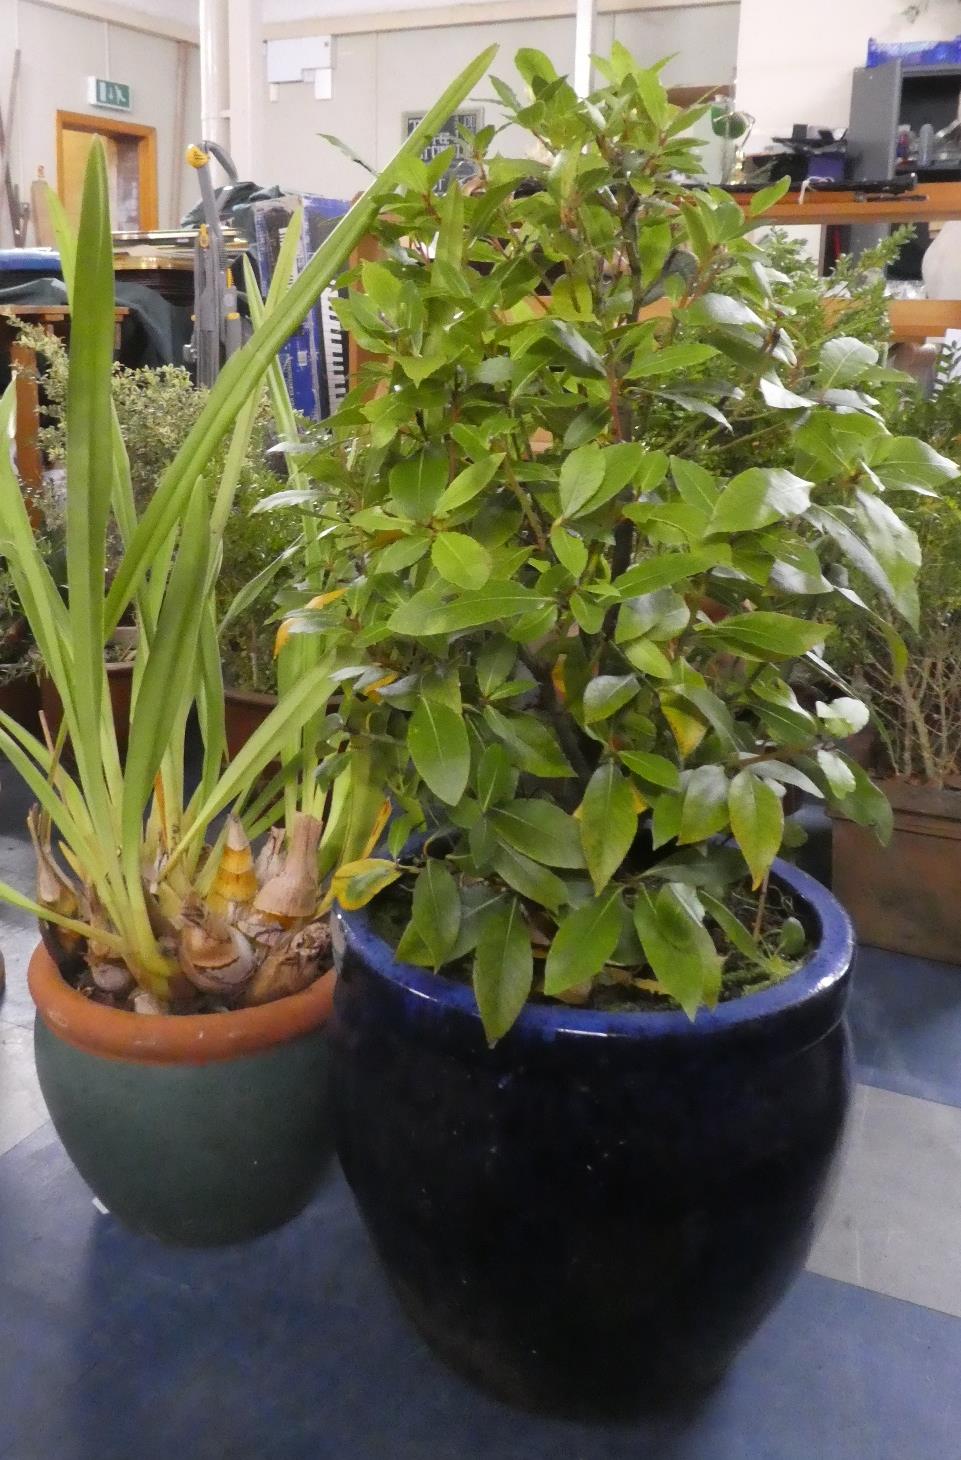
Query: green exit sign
x=112 y=94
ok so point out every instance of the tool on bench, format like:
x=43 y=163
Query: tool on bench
x=218 y=328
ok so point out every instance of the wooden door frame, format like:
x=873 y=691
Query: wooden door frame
x=111 y=127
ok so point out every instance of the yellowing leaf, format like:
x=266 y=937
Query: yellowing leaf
x=322 y=599
x=372 y=692
x=355 y=884
x=381 y=820
x=688 y=730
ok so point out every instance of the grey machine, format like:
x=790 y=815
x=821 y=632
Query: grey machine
x=218 y=327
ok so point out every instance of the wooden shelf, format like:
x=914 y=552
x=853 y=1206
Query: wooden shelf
x=916 y=320
x=934 y=202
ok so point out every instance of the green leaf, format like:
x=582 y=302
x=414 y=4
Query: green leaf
x=765 y=635
x=724 y=312
x=649 y=659
x=767 y=197
x=735 y=932
x=503 y=967
x=424 y=615
x=901 y=590
x=757 y=821
x=608 y=693
x=608 y=823
x=583 y=943
x=662 y=614
x=533 y=65
x=581 y=474
x=461 y=560
x=583 y=359
x=759 y=497
x=588 y=613
x=89 y=463
x=401 y=554
x=843 y=717
x=494 y=663
x=531 y=743
x=714 y=711
x=668 y=569
x=468 y=484
x=679 y=949
x=496 y=370
x=895 y=547
x=704 y=808
x=540 y=830
x=417 y=484
x=838 y=773
x=779 y=398
x=697 y=486
x=670 y=360
x=844 y=361
x=666 y=822
x=495 y=778
x=528 y=878
x=656 y=769
x=436 y=911
x=866 y=804
x=438 y=745
x=904 y=461
x=570 y=550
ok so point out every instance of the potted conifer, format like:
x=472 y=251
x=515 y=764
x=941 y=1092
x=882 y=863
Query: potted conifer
x=589 y=1067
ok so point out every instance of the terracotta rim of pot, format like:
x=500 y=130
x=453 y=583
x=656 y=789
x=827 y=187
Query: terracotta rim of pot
x=249 y=697
x=172 y=1039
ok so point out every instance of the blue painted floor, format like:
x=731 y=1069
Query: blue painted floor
x=112 y=1348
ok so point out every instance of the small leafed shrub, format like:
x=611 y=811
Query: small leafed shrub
x=565 y=641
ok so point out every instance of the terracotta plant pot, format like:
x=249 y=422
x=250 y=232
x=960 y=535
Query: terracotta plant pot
x=195 y=1129
x=120 y=680
x=600 y=1210
x=246 y=711
x=904 y=896
x=20 y=699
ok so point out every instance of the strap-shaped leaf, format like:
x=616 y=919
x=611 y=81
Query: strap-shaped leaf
x=244 y=371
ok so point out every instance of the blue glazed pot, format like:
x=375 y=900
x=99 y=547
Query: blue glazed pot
x=597 y=1214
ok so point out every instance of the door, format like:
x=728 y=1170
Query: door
x=131 y=168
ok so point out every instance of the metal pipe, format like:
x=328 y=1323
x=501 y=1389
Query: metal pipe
x=246 y=63
x=584 y=45
x=214 y=71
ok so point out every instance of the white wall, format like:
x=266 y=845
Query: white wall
x=59 y=50
x=794 y=60
x=381 y=75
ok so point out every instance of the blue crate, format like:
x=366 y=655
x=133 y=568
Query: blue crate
x=915 y=53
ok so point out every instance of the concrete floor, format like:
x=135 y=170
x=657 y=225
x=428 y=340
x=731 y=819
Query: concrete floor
x=112 y=1348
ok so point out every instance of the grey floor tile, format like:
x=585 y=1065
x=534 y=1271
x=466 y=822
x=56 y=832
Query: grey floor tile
x=895 y=1225
x=21 y=1105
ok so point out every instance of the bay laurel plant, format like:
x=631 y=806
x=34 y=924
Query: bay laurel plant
x=141 y=880
x=577 y=640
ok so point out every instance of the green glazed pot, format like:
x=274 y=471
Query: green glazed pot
x=199 y=1129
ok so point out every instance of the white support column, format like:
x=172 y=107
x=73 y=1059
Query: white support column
x=246 y=58
x=584 y=45
x=214 y=73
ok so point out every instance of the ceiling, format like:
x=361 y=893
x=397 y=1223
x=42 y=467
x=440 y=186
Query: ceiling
x=187 y=11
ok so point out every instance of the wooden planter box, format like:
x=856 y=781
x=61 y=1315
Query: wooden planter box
x=246 y=711
x=20 y=699
x=905 y=896
x=120 y=678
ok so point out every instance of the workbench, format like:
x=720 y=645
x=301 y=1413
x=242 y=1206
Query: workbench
x=56 y=319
